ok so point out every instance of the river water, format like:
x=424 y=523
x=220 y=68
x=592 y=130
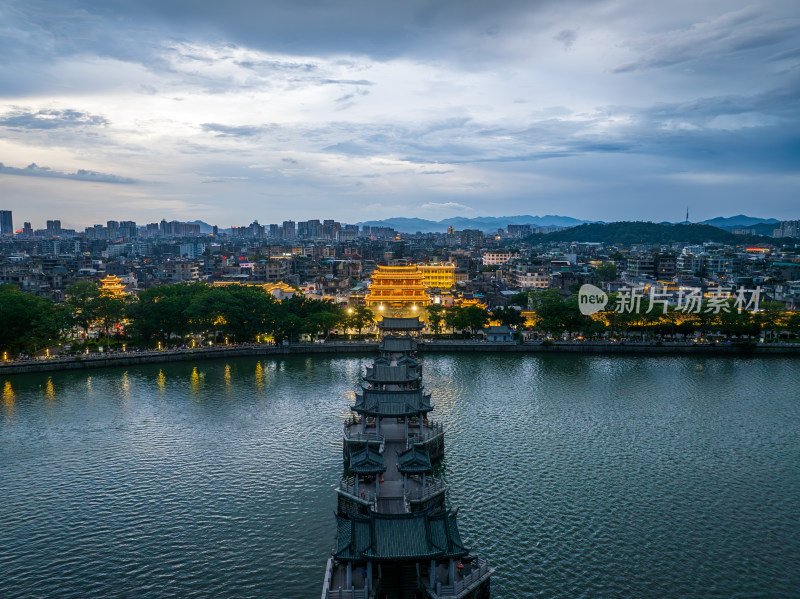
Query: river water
x=576 y=476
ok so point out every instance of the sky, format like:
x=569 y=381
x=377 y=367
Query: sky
x=354 y=110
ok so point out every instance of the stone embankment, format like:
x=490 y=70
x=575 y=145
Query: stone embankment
x=134 y=358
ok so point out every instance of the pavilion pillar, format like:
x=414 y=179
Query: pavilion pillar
x=406 y=419
x=405 y=477
x=356 y=484
x=433 y=573
x=369 y=576
x=378 y=425
x=363 y=423
x=451 y=572
x=377 y=484
x=423 y=483
x=349 y=581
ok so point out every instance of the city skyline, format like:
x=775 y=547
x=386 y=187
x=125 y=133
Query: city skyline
x=599 y=111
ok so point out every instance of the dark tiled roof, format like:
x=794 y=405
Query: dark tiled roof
x=400 y=324
x=366 y=461
x=392 y=403
x=398 y=344
x=381 y=373
x=399 y=537
x=414 y=461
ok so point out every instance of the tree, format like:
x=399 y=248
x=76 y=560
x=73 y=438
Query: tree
x=362 y=316
x=436 y=317
x=29 y=322
x=168 y=310
x=769 y=317
x=551 y=311
x=606 y=271
x=109 y=310
x=80 y=304
x=508 y=316
x=474 y=318
x=520 y=299
x=452 y=317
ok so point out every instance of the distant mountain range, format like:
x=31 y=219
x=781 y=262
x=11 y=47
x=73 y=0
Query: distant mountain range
x=488 y=224
x=483 y=223
x=761 y=226
x=738 y=221
x=205 y=228
x=647 y=233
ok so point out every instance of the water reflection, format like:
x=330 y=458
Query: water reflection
x=259 y=376
x=227 y=377
x=196 y=382
x=8 y=398
x=161 y=380
x=126 y=387
x=49 y=389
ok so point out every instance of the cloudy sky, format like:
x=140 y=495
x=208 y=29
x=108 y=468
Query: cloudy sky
x=355 y=109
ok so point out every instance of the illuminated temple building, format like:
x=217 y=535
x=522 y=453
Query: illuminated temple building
x=112 y=286
x=397 y=290
x=397 y=537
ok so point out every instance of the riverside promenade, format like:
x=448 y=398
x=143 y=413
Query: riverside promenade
x=133 y=358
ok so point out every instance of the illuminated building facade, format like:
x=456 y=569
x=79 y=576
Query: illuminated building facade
x=441 y=276
x=112 y=285
x=397 y=290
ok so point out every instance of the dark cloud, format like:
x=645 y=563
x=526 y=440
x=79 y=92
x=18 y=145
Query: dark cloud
x=717 y=39
x=566 y=37
x=33 y=170
x=377 y=28
x=50 y=119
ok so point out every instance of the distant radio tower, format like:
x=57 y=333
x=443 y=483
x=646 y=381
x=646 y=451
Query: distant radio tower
x=687 y=215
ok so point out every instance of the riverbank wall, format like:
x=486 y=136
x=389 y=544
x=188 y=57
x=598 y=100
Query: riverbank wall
x=339 y=347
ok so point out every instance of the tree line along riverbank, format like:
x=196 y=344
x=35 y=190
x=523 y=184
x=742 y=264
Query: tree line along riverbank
x=198 y=314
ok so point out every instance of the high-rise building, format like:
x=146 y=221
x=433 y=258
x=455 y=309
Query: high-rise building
x=6 y=223
x=302 y=229
x=288 y=229
x=53 y=227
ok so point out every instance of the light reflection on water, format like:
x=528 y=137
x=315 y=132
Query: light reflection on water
x=577 y=476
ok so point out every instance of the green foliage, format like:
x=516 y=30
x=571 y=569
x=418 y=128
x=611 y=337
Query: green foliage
x=436 y=317
x=508 y=316
x=240 y=313
x=80 y=304
x=361 y=318
x=28 y=322
x=520 y=299
x=606 y=271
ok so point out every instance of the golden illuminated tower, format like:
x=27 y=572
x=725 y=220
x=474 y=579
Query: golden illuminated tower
x=112 y=285
x=397 y=290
